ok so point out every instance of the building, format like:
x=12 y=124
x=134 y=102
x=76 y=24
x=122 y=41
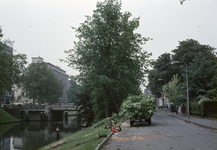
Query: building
x=59 y=73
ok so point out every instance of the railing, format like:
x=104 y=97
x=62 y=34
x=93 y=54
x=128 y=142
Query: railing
x=24 y=106
x=64 y=108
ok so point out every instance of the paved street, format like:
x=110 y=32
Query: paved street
x=165 y=133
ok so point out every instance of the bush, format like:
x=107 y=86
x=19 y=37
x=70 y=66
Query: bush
x=195 y=108
x=209 y=108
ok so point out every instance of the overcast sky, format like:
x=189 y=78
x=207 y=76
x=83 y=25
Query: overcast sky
x=42 y=27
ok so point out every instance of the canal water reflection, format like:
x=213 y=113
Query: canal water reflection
x=33 y=135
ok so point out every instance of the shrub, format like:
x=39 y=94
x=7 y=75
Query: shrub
x=195 y=108
x=209 y=108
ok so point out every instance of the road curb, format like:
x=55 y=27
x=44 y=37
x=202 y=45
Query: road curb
x=192 y=122
x=110 y=134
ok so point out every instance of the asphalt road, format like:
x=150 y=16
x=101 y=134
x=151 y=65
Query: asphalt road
x=165 y=133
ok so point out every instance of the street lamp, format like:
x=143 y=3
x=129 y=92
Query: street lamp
x=165 y=90
x=175 y=62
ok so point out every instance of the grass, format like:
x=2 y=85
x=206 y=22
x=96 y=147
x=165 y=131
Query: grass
x=81 y=140
x=6 y=117
x=5 y=127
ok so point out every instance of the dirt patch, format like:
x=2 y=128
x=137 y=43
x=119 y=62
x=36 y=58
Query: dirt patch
x=143 y=137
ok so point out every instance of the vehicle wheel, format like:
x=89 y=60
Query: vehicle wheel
x=149 y=121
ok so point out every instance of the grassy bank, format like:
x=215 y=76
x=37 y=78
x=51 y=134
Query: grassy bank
x=6 y=117
x=5 y=127
x=82 y=140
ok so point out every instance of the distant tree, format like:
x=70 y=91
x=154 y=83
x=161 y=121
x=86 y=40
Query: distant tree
x=161 y=70
x=175 y=91
x=12 y=67
x=72 y=92
x=41 y=84
x=109 y=57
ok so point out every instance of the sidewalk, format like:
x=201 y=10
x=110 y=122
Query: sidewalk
x=212 y=124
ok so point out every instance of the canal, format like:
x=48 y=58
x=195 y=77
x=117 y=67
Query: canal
x=33 y=135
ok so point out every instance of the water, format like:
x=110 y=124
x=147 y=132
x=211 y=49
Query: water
x=33 y=135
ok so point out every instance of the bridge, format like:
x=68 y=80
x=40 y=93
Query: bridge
x=39 y=112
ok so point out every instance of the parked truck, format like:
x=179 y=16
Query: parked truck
x=138 y=108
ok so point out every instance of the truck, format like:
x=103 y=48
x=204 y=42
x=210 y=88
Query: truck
x=138 y=108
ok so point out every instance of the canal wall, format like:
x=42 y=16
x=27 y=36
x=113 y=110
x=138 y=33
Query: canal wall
x=38 y=113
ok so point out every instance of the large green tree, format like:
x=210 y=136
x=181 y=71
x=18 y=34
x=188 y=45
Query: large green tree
x=201 y=63
x=12 y=67
x=202 y=75
x=109 y=56
x=41 y=84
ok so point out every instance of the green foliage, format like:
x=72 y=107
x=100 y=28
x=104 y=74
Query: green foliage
x=202 y=76
x=6 y=117
x=41 y=84
x=109 y=57
x=85 y=104
x=115 y=117
x=175 y=91
x=209 y=108
x=202 y=99
x=72 y=92
x=138 y=106
x=102 y=122
x=161 y=70
x=11 y=67
x=195 y=108
x=201 y=63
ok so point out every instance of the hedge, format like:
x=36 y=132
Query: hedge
x=195 y=108
x=209 y=108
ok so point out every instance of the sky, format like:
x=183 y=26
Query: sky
x=43 y=27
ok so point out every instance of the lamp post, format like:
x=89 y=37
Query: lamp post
x=175 y=62
x=165 y=90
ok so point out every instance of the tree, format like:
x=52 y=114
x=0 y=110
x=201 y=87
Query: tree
x=72 y=92
x=188 y=49
x=174 y=90
x=11 y=67
x=109 y=56
x=85 y=104
x=201 y=64
x=161 y=70
x=202 y=76
x=41 y=84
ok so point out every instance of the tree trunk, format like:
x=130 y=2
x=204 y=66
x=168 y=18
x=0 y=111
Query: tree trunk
x=106 y=104
x=116 y=106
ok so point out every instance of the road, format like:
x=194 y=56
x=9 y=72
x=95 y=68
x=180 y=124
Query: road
x=165 y=133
